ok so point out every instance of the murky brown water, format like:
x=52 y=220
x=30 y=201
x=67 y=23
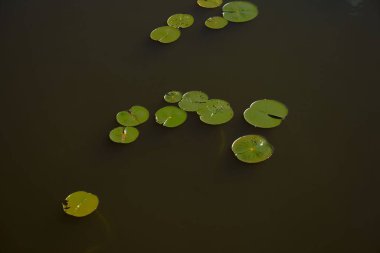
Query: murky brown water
x=69 y=66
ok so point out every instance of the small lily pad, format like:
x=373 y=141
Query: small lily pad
x=135 y=116
x=80 y=204
x=124 y=135
x=210 y=3
x=171 y=116
x=252 y=149
x=216 y=22
x=216 y=112
x=180 y=20
x=239 y=11
x=165 y=34
x=193 y=101
x=173 y=97
x=266 y=113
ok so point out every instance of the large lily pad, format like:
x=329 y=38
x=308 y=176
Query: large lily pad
x=165 y=34
x=173 y=97
x=240 y=11
x=80 y=204
x=180 y=20
x=216 y=22
x=210 y=3
x=216 y=112
x=124 y=135
x=171 y=116
x=252 y=149
x=135 y=116
x=266 y=113
x=193 y=101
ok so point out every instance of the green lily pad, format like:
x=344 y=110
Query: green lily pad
x=239 y=11
x=252 y=149
x=216 y=22
x=266 y=113
x=135 y=116
x=171 y=116
x=173 y=97
x=210 y=3
x=124 y=135
x=216 y=112
x=80 y=204
x=193 y=101
x=180 y=20
x=165 y=34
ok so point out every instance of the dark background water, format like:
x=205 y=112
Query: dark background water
x=69 y=66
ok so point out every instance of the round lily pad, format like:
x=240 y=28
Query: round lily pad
x=165 y=34
x=173 y=97
x=80 y=204
x=239 y=11
x=210 y=3
x=252 y=149
x=266 y=113
x=124 y=135
x=216 y=22
x=216 y=112
x=171 y=116
x=193 y=100
x=135 y=116
x=180 y=20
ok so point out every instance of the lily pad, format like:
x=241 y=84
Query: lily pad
x=210 y=3
x=171 y=116
x=124 y=135
x=80 y=204
x=266 y=113
x=239 y=11
x=252 y=149
x=173 y=97
x=165 y=34
x=193 y=101
x=135 y=116
x=180 y=20
x=216 y=22
x=216 y=112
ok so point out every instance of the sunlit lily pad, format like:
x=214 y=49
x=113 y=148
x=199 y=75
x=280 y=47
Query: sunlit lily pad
x=239 y=11
x=252 y=149
x=80 y=204
x=216 y=112
x=180 y=20
x=216 y=22
x=165 y=34
x=173 y=97
x=124 y=135
x=171 y=116
x=193 y=101
x=135 y=116
x=266 y=113
x=210 y=3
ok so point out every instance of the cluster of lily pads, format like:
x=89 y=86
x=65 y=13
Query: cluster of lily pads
x=236 y=11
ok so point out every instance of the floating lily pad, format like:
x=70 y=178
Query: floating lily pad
x=252 y=149
x=193 y=101
x=266 y=113
x=80 y=204
x=216 y=22
x=165 y=34
x=135 y=116
x=180 y=20
x=171 y=116
x=216 y=112
x=124 y=135
x=239 y=11
x=210 y=3
x=173 y=97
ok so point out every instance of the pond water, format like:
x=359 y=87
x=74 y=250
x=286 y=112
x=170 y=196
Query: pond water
x=70 y=66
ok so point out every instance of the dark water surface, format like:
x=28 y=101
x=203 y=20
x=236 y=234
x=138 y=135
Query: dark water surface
x=69 y=66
